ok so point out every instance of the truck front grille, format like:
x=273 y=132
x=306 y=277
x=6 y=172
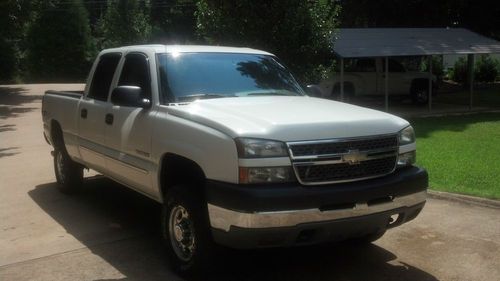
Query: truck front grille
x=337 y=147
x=343 y=160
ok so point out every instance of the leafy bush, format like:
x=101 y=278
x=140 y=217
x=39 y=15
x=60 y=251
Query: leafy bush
x=8 y=61
x=486 y=69
x=60 y=46
x=459 y=71
x=437 y=66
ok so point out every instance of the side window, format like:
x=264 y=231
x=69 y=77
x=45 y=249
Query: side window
x=365 y=65
x=103 y=76
x=395 y=66
x=135 y=72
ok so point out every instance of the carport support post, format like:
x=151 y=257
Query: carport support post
x=386 y=81
x=342 y=79
x=470 y=66
x=430 y=83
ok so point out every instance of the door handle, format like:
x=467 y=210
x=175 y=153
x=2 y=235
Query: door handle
x=109 y=119
x=83 y=113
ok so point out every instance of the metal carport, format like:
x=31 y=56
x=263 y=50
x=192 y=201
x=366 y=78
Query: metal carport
x=393 y=42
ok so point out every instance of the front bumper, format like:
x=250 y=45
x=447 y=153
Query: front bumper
x=225 y=219
x=247 y=216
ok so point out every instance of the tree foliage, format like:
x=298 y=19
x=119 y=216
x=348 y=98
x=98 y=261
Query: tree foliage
x=60 y=46
x=299 y=32
x=174 y=21
x=9 y=35
x=125 y=22
x=486 y=69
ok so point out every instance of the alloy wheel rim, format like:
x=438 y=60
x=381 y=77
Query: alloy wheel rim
x=60 y=167
x=422 y=96
x=181 y=233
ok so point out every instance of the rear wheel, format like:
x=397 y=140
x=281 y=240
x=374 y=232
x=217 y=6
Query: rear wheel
x=69 y=174
x=186 y=231
x=420 y=95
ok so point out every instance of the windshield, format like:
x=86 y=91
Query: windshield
x=186 y=77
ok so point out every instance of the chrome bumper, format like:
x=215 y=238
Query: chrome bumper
x=223 y=219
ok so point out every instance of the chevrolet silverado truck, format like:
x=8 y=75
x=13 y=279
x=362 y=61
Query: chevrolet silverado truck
x=235 y=151
x=365 y=77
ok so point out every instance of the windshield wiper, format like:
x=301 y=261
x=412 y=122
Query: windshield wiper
x=201 y=96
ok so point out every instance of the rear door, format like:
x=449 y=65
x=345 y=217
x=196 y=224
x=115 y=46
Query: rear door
x=397 y=83
x=92 y=111
x=128 y=136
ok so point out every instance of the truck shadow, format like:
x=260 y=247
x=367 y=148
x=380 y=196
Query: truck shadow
x=122 y=227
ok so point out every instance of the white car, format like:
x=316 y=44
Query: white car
x=235 y=151
x=366 y=77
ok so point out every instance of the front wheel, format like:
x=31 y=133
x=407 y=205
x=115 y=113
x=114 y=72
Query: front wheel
x=69 y=174
x=186 y=231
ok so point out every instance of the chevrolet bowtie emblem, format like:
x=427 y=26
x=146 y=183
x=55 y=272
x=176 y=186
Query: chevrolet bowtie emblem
x=353 y=157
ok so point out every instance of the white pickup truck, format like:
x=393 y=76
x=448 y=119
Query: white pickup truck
x=366 y=77
x=236 y=152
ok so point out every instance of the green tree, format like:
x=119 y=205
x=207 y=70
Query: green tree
x=60 y=46
x=10 y=34
x=297 y=31
x=124 y=23
x=486 y=69
x=174 y=21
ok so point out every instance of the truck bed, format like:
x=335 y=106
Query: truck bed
x=71 y=94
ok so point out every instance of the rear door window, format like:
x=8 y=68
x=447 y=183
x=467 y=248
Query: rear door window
x=103 y=76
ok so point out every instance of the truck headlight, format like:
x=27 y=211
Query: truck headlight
x=407 y=136
x=259 y=148
x=265 y=174
x=407 y=159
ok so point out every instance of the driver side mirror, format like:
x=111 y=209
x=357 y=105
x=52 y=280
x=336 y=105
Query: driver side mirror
x=130 y=96
x=314 y=91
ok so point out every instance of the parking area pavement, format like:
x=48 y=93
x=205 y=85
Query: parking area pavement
x=107 y=232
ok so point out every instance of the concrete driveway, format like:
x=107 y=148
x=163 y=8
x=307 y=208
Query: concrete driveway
x=110 y=233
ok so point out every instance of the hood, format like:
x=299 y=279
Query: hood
x=288 y=118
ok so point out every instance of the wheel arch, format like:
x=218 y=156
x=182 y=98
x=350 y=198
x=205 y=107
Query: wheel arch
x=176 y=169
x=56 y=135
x=419 y=83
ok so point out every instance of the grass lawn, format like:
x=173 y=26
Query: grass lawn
x=461 y=153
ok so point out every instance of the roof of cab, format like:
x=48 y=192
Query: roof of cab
x=187 y=49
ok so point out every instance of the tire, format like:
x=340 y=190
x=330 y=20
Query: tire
x=186 y=232
x=69 y=174
x=369 y=238
x=420 y=95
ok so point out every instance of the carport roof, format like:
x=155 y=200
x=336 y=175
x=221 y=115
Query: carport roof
x=382 y=42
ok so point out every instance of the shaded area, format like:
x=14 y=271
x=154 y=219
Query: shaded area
x=424 y=127
x=9 y=151
x=13 y=101
x=7 y=128
x=122 y=227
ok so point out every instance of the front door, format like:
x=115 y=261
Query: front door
x=128 y=135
